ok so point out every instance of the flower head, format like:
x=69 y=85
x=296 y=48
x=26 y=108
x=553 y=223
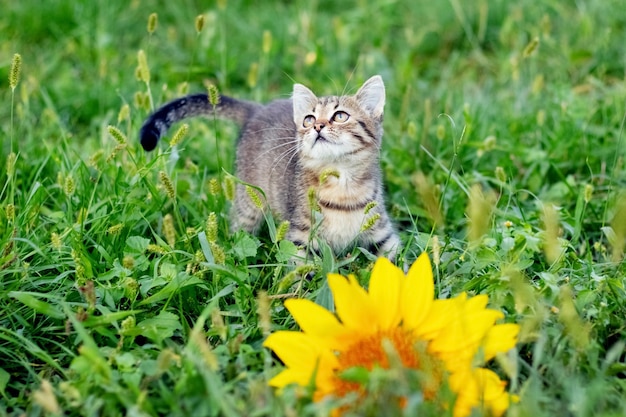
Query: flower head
x=444 y=339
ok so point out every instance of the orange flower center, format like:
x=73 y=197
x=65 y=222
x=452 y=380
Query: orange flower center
x=370 y=352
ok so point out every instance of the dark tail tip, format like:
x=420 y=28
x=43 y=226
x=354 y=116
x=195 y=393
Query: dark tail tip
x=149 y=135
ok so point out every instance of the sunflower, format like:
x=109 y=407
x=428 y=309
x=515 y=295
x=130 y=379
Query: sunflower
x=445 y=339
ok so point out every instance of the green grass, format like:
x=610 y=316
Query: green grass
x=125 y=317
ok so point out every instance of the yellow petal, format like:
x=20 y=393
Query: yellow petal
x=500 y=338
x=478 y=302
x=469 y=326
x=297 y=350
x=466 y=388
x=417 y=293
x=291 y=376
x=384 y=292
x=316 y=321
x=439 y=315
x=353 y=304
x=494 y=398
x=479 y=389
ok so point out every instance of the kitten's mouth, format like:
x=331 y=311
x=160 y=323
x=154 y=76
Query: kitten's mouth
x=320 y=139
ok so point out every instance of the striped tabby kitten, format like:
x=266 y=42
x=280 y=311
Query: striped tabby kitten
x=288 y=147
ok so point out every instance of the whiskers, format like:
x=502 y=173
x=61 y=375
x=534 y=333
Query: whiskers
x=282 y=143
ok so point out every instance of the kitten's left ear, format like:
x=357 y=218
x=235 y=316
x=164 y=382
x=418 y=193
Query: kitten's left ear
x=371 y=95
x=304 y=102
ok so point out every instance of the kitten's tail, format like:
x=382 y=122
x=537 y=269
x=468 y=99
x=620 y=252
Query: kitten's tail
x=193 y=105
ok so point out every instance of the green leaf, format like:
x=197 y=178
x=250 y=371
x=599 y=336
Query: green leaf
x=157 y=328
x=136 y=244
x=182 y=280
x=325 y=297
x=31 y=299
x=105 y=319
x=286 y=251
x=206 y=248
x=245 y=246
x=356 y=374
x=4 y=380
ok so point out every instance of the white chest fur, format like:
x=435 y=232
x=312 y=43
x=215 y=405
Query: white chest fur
x=340 y=228
x=343 y=213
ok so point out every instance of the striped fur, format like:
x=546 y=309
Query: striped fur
x=286 y=146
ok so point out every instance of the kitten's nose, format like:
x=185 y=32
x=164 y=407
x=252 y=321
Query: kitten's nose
x=319 y=125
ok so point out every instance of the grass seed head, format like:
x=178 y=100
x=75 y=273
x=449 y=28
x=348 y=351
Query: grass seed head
x=254 y=197
x=69 y=186
x=152 y=248
x=82 y=215
x=411 y=129
x=143 y=71
x=211 y=227
x=588 y=193
x=167 y=184
x=500 y=174
x=199 y=342
x=115 y=151
x=128 y=262
x=116 y=134
x=253 y=75
x=217 y=323
x=219 y=256
x=115 y=229
x=575 y=327
x=330 y=172
x=267 y=42
x=618 y=224
x=127 y=324
x=55 y=241
x=429 y=196
x=169 y=230
x=10 y=212
x=436 y=251
x=214 y=95
x=46 y=399
x=551 y=245
x=370 y=206
x=124 y=113
x=167 y=357
x=16 y=69
x=531 y=47
x=264 y=312
x=199 y=23
x=152 y=22
x=312 y=197
x=11 y=159
x=141 y=99
x=214 y=187
x=229 y=188
x=282 y=230
x=183 y=88
x=179 y=135
x=370 y=222
x=479 y=211
x=441 y=131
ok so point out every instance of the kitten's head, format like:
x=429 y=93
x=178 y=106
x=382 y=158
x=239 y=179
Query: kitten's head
x=344 y=128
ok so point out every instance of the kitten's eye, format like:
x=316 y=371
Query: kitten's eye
x=308 y=121
x=341 y=117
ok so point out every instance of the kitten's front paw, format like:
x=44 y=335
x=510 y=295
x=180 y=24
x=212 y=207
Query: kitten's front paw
x=392 y=251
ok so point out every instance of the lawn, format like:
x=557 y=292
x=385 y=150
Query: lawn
x=122 y=290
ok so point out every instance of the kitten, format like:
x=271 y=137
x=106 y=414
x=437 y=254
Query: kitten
x=288 y=147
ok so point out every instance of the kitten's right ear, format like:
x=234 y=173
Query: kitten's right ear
x=371 y=95
x=304 y=102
